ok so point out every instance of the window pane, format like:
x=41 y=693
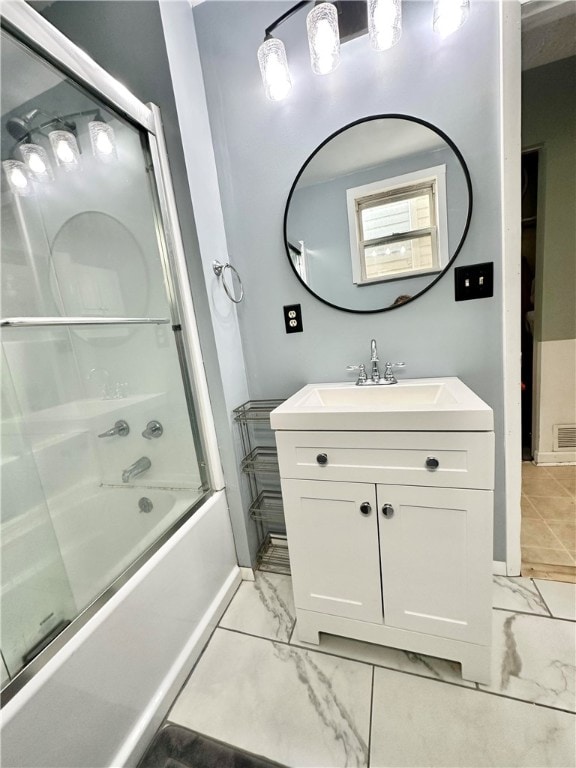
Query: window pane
x=385 y=219
x=400 y=257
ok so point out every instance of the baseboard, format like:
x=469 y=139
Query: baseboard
x=247 y=574
x=499 y=568
x=542 y=458
x=158 y=707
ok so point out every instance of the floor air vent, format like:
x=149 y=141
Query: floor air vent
x=564 y=437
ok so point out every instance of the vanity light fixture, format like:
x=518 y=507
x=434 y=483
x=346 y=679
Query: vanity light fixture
x=37 y=162
x=18 y=178
x=103 y=141
x=449 y=15
x=323 y=38
x=331 y=23
x=384 y=23
x=65 y=149
x=274 y=68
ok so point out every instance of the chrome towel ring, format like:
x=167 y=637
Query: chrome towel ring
x=219 y=270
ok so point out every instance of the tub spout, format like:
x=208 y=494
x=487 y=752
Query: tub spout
x=136 y=469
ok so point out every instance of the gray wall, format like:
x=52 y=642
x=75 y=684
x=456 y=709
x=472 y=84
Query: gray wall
x=549 y=122
x=319 y=216
x=126 y=38
x=261 y=145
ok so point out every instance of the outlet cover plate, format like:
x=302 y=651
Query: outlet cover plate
x=293 y=318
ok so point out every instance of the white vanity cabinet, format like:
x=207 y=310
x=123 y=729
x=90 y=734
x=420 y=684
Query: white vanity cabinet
x=390 y=538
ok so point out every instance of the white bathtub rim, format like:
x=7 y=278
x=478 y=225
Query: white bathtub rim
x=43 y=675
x=132 y=750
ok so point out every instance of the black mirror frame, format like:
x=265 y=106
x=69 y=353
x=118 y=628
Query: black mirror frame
x=458 y=154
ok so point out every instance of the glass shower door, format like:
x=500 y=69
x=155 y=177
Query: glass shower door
x=100 y=450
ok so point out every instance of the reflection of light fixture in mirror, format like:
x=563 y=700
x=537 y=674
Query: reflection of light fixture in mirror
x=37 y=162
x=274 y=68
x=323 y=38
x=384 y=23
x=449 y=15
x=65 y=149
x=103 y=141
x=18 y=178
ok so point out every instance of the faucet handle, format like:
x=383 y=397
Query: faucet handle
x=389 y=373
x=362 y=377
x=120 y=428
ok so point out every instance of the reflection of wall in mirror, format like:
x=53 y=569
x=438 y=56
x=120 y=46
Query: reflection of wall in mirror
x=318 y=215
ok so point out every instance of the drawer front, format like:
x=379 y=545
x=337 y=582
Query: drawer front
x=442 y=459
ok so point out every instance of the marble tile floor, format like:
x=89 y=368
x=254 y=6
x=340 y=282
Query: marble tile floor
x=346 y=703
x=548 y=530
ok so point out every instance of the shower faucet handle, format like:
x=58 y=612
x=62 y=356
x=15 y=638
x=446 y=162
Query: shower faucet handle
x=121 y=428
x=153 y=429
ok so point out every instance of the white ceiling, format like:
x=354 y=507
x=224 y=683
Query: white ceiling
x=548 y=31
x=370 y=144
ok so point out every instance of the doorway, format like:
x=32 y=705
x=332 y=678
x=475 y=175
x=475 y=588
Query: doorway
x=548 y=291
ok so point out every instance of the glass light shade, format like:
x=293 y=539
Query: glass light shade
x=103 y=141
x=449 y=15
x=37 y=162
x=384 y=23
x=323 y=38
x=18 y=178
x=65 y=149
x=274 y=69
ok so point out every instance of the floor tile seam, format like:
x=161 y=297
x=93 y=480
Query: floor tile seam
x=557 y=536
x=527 y=701
x=370 y=720
x=543 y=599
x=538 y=615
x=360 y=661
x=479 y=689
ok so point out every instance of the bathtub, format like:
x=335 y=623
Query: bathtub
x=101 y=530
x=100 y=698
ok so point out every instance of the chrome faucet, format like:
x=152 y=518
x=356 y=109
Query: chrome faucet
x=374 y=361
x=375 y=377
x=136 y=469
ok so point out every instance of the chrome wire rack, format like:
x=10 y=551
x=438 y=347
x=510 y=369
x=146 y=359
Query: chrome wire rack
x=260 y=466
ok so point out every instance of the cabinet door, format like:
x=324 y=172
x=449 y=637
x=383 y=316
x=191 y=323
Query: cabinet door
x=436 y=557
x=333 y=547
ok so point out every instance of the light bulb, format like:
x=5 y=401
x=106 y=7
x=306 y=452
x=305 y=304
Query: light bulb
x=64 y=153
x=18 y=178
x=274 y=69
x=36 y=160
x=65 y=149
x=36 y=164
x=103 y=141
x=103 y=144
x=323 y=38
x=384 y=23
x=449 y=15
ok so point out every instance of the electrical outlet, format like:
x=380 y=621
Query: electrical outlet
x=474 y=282
x=293 y=318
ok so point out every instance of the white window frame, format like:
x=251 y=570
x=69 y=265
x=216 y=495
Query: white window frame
x=436 y=174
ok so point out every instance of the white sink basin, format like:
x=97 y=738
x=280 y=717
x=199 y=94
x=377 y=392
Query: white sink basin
x=412 y=404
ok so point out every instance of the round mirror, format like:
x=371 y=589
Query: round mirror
x=378 y=213
x=99 y=270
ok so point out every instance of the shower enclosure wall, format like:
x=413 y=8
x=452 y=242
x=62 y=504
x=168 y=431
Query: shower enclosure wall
x=102 y=433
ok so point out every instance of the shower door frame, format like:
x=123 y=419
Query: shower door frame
x=27 y=25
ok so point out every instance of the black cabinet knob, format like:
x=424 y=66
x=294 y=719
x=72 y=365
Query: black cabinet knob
x=322 y=459
x=432 y=463
x=365 y=508
x=388 y=511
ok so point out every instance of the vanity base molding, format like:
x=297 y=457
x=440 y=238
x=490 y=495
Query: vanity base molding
x=475 y=659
